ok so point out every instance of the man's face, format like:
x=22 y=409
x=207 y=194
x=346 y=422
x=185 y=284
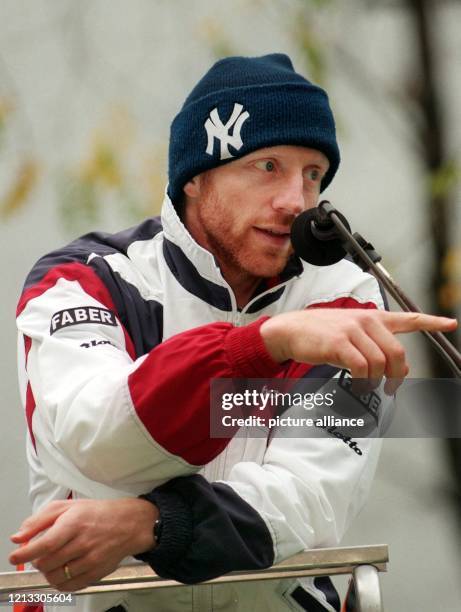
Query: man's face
x=242 y=212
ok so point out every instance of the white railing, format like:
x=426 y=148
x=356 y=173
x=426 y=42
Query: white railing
x=362 y=562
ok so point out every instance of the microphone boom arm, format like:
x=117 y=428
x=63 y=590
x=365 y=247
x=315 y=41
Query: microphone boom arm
x=368 y=259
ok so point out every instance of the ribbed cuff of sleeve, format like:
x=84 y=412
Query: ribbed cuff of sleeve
x=248 y=353
x=176 y=517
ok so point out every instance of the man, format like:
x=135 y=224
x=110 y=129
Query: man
x=122 y=335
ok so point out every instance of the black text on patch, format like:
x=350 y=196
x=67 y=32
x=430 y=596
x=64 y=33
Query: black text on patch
x=82 y=314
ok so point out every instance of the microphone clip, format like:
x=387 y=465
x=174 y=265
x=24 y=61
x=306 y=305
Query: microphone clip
x=336 y=225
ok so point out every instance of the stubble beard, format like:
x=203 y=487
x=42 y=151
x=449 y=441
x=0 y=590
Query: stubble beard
x=232 y=256
x=224 y=252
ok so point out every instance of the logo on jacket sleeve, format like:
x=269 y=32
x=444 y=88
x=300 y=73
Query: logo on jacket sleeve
x=82 y=314
x=215 y=128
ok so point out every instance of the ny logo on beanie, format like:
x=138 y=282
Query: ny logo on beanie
x=217 y=129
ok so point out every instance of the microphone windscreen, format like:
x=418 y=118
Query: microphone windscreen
x=310 y=248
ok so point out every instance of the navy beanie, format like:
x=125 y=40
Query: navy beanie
x=243 y=104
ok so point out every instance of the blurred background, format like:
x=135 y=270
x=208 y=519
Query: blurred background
x=87 y=92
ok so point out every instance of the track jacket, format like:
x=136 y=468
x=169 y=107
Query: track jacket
x=119 y=336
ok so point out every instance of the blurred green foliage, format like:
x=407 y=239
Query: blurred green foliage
x=445 y=179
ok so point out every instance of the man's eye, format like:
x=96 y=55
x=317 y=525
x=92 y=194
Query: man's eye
x=266 y=165
x=313 y=174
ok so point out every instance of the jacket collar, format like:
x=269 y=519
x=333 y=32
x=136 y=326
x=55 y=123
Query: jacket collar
x=175 y=231
x=198 y=271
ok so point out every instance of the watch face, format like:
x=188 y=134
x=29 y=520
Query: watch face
x=157 y=530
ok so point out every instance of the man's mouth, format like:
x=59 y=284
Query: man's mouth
x=277 y=235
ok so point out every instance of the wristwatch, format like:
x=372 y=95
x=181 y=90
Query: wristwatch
x=158 y=526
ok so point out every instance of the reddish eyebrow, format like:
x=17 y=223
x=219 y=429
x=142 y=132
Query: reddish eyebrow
x=318 y=165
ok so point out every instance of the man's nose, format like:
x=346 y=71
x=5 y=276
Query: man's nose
x=289 y=197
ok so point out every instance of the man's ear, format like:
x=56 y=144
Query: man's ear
x=192 y=187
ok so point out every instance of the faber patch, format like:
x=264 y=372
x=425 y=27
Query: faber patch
x=82 y=314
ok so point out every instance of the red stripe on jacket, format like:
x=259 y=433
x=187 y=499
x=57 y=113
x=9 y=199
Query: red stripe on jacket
x=30 y=400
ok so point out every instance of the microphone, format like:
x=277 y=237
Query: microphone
x=315 y=238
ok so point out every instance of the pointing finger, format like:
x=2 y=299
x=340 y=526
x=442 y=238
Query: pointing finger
x=405 y=322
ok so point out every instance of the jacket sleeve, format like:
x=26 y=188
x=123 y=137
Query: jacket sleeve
x=95 y=410
x=304 y=495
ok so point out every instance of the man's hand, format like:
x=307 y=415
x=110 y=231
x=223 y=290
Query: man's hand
x=361 y=340
x=91 y=537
